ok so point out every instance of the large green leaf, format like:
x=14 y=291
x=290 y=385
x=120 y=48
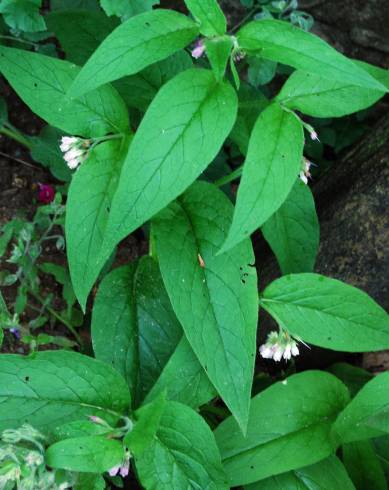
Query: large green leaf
x=273 y=162
x=182 y=455
x=293 y=231
x=80 y=31
x=93 y=454
x=363 y=466
x=183 y=379
x=368 y=414
x=181 y=133
x=214 y=296
x=289 y=427
x=50 y=388
x=133 y=325
x=209 y=15
x=87 y=212
x=327 y=312
x=139 y=42
x=329 y=474
x=42 y=83
x=317 y=96
x=281 y=41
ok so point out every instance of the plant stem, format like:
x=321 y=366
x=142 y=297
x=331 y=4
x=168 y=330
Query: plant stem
x=230 y=177
x=58 y=317
x=15 y=135
x=12 y=38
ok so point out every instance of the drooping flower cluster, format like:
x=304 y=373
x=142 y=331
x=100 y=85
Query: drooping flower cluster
x=122 y=469
x=75 y=150
x=279 y=345
x=305 y=172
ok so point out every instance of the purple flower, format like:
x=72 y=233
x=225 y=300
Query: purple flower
x=16 y=332
x=46 y=193
x=198 y=50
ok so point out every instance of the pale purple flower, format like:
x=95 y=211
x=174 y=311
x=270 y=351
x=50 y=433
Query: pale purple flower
x=114 y=471
x=279 y=345
x=198 y=50
x=67 y=142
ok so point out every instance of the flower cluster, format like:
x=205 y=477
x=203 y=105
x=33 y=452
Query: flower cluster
x=279 y=345
x=75 y=150
x=122 y=469
x=305 y=172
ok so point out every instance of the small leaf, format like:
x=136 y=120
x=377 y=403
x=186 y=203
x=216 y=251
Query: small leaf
x=363 y=466
x=135 y=44
x=182 y=455
x=53 y=387
x=209 y=15
x=327 y=313
x=272 y=164
x=319 y=97
x=295 y=432
x=216 y=304
x=281 y=41
x=329 y=474
x=23 y=15
x=293 y=231
x=171 y=148
x=218 y=52
x=126 y=9
x=42 y=82
x=367 y=415
x=94 y=454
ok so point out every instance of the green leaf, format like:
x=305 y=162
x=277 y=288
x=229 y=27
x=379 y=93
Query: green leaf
x=146 y=426
x=367 y=414
x=327 y=313
x=94 y=454
x=89 y=481
x=139 y=42
x=181 y=133
x=79 y=428
x=90 y=5
x=80 y=32
x=87 y=212
x=251 y=103
x=329 y=474
x=218 y=52
x=3 y=111
x=45 y=150
x=281 y=41
x=272 y=164
x=140 y=89
x=381 y=448
x=293 y=231
x=363 y=466
x=213 y=296
x=133 y=324
x=183 y=379
x=209 y=15
x=353 y=377
x=52 y=387
x=127 y=8
x=182 y=455
x=261 y=71
x=289 y=427
x=42 y=82
x=23 y=15
x=317 y=96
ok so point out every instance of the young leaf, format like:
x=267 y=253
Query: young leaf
x=54 y=387
x=367 y=415
x=289 y=427
x=181 y=133
x=135 y=44
x=363 y=466
x=93 y=454
x=42 y=82
x=293 y=231
x=218 y=52
x=327 y=313
x=80 y=31
x=281 y=41
x=133 y=325
x=183 y=379
x=209 y=15
x=87 y=212
x=317 y=96
x=182 y=455
x=214 y=297
x=329 y=474
x=272 y=164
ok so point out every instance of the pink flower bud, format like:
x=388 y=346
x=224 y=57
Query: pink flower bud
x=198 y=50
x=314 y=136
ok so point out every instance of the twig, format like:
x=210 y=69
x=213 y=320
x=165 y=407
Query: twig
x=18 y=160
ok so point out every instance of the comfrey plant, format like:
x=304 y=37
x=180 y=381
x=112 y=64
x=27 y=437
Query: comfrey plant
x=146 y=123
